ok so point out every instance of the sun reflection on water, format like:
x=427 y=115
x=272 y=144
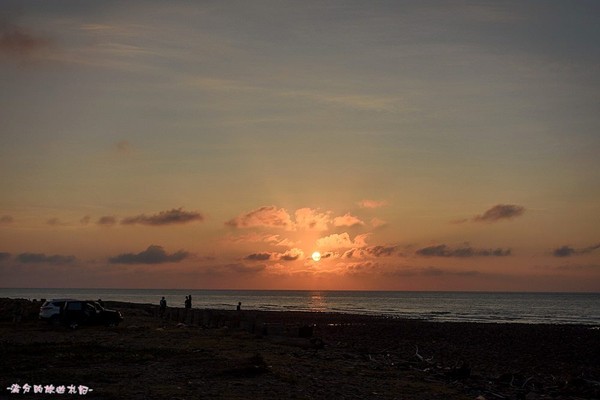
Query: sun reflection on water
x=317 y=301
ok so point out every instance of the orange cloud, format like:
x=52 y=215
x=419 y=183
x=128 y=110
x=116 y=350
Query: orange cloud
x=347 y=220
x=254 y=237
x=307 y=218
x=342 y=241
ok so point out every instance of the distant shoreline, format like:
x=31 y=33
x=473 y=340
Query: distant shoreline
x=523 y=308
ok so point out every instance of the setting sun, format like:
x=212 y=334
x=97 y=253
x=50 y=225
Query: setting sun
x=316 y=256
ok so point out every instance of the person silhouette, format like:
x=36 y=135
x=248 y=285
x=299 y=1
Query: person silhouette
x=163 y=307
x=239 y=306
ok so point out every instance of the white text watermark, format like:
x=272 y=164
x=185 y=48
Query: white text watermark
x=80 y=390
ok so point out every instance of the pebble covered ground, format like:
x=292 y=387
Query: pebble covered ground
x=261 y=355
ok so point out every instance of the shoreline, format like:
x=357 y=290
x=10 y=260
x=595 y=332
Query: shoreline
x=578 y=314
x=262 y=354
x=560 y=308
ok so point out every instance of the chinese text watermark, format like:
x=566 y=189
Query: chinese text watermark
x=80 y=390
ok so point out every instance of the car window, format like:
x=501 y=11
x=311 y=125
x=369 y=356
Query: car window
x=74 y=306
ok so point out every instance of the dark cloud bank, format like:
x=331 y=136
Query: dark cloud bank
x=567 y=251
x=466 y=251
x=174 y=216
x=500 y=212
x=152 y=255
x=40 y=258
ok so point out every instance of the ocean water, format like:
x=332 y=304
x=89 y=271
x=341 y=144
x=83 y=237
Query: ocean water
x=550 y=308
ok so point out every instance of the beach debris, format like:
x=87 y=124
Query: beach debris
x=421 y=358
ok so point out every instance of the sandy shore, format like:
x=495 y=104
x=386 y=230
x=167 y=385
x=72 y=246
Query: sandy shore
x=209 y=354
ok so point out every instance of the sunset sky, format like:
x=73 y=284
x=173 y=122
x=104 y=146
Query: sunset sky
x=417 y=145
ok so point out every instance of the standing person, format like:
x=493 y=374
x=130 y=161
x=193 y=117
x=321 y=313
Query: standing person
x=17 y=312
x=163 y=307
x=189 y=301
x=239 y=306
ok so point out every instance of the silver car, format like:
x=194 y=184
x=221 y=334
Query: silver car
x=50 y=310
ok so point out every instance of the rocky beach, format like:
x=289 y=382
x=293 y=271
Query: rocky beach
x=216 y=354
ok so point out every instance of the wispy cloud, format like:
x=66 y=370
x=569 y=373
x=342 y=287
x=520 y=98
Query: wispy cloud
x=152 y=255
x=268 y=216
x=356 y=101
x=371 y=251
x=443 y=250
x=106 y=220
x=170 y=217
x=436 y=271
x=567 y=251
x=55 y=222
x=378 y=222
x=41 y=258
x=19 y=42
x=500 y=212
x=372 y=203
x=123 y=147
x=370 y=268
x=237 y=269
x=254 y=237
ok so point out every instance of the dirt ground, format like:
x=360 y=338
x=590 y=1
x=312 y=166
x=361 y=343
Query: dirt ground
x=261 y=355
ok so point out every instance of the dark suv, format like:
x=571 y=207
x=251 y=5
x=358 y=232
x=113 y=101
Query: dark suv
x=77 y=312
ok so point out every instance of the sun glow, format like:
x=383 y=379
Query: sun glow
x=316 y=256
